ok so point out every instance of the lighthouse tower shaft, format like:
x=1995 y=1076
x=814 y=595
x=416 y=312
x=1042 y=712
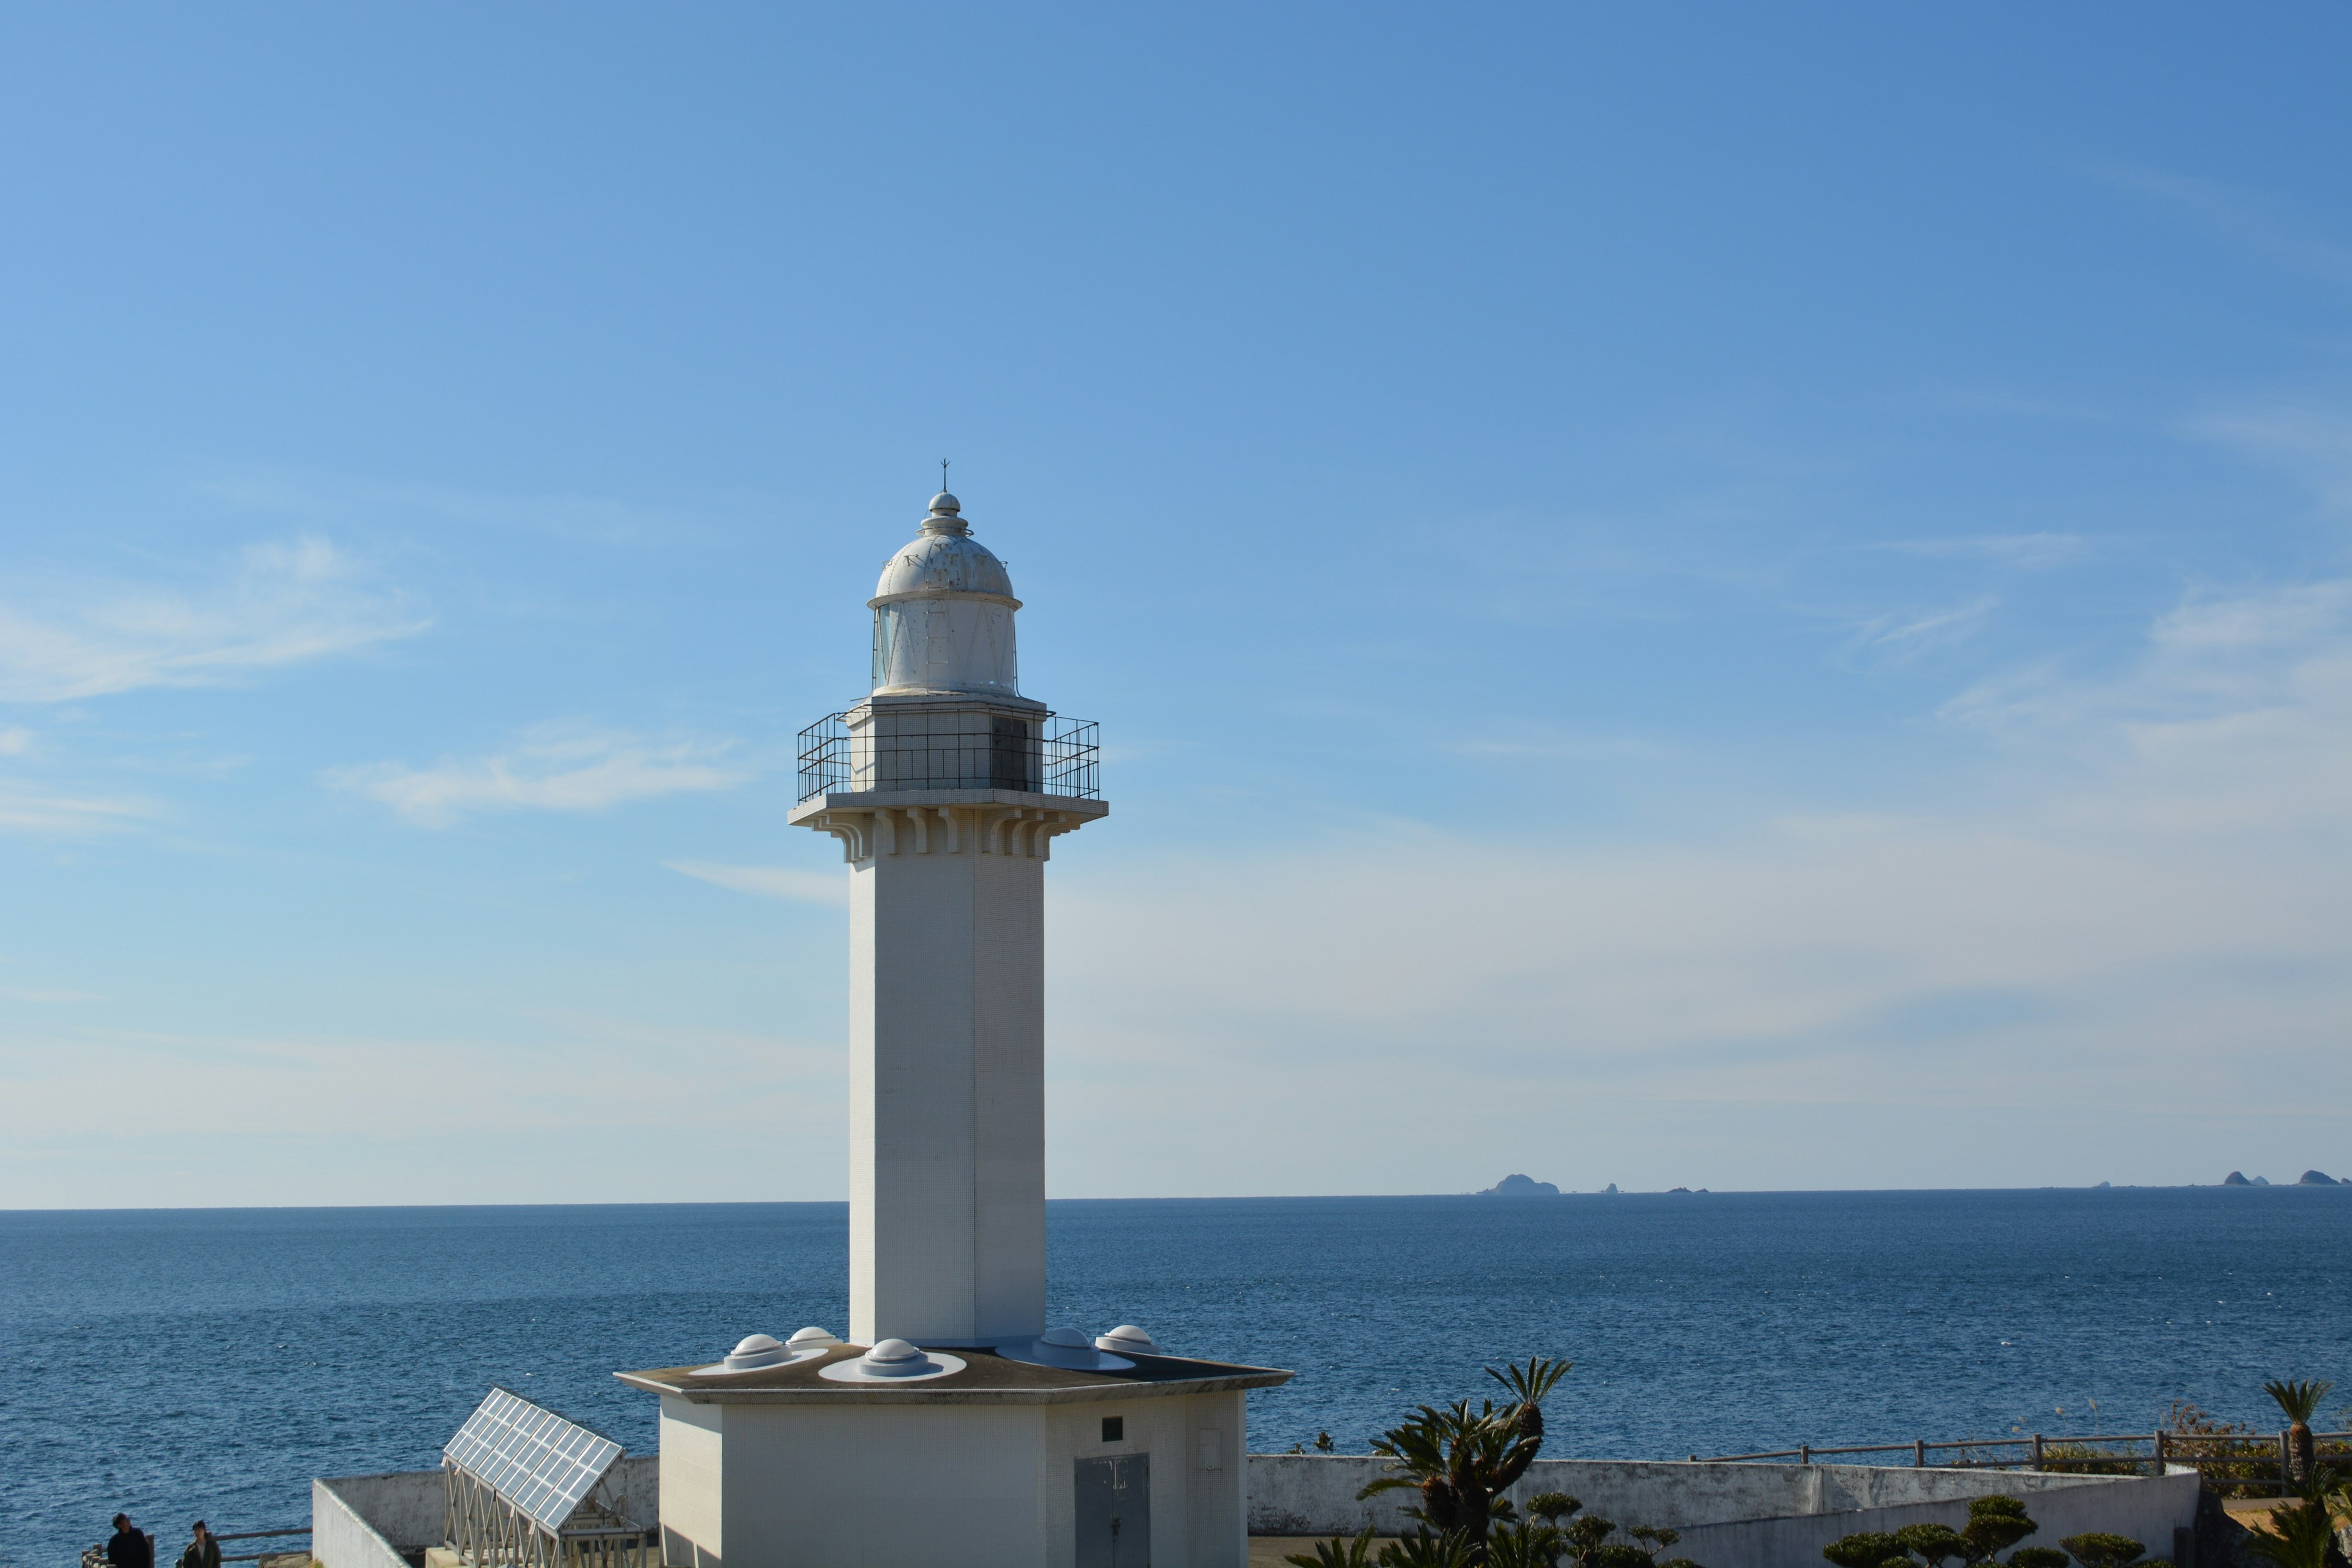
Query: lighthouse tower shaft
x=946 y=789
x=947 y=1091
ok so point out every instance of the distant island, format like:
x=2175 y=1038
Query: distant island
x=2308 y=1179
x=1517 y=1186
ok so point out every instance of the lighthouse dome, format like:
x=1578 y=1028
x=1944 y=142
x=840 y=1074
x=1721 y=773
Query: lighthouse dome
x=944 y=559
x=943 y=614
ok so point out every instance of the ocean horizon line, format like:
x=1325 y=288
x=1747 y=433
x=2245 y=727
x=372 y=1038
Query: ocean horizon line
x=521 y=1205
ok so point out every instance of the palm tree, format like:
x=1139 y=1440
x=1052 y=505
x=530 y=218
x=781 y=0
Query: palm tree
x=1460 y=1461
x=2300 y=1401
x=2298 y=1536
x=1337 y=1552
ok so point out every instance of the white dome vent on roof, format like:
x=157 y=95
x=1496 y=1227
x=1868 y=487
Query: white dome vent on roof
x=892 y=1361
x=895 y=1357
x=1067 y=1348
x=1127 y=1339
x=754 y=1351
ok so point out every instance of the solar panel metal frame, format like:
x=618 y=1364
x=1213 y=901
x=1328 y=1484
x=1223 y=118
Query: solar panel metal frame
x=540 y=1462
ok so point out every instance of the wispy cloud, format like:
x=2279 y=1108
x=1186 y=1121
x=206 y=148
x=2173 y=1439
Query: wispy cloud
x=353 y=1113
x=2142 y=907
x=577 y=519
x=549 y=768
x=2313 y=444
x=25 y=808
x=2243 y=217
x=2023 y=551
x=16 y=743
x=284 y=603
x=770 y=881
x=2291 y=618
x=1897 y=638
x=39 y=994
x=1508 y=740
x=2236 y=712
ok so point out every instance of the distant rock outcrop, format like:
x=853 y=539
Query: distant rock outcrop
x=1610 y=1188
x=2316 y=1179
x=1517 y=1186
x=2236 y=1179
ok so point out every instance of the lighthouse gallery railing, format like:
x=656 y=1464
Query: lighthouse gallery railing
x=1052 y=756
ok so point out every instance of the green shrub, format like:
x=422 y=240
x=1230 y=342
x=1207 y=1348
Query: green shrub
x=1995 y=1525
x=2098 y=1549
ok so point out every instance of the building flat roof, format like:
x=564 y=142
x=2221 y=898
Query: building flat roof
x=987 y=1378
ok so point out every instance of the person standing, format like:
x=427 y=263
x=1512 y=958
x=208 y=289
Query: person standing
x=202 y=1552
x=130 y=1548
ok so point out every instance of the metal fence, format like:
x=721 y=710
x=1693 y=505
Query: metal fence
x=95 y=1556
x=1050 y=755
x=2247 y=1463
x=255 y=1535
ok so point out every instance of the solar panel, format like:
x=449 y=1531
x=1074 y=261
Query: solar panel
x=542 y=1464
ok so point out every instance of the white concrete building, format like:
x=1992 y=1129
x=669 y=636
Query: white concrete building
x=954 y=1427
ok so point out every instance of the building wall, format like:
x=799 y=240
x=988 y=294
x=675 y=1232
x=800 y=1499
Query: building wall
x=367 y=1521
x=692 y=1450
x=1740 y=1516
x=345 y=1514
x=980 y=1486
x=1217 y=1439
x=1001 y=1481
x=2147 y=1509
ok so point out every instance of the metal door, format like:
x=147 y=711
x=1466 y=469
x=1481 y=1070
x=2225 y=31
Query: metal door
x=1115 y=1512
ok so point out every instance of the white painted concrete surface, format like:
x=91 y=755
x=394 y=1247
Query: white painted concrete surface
x=342 y=1533
x=1741 y=1516
x=1731 y=1516
x=947 y=1093
x=758 y=1484
x=367 y=1521
x=2148 y=1509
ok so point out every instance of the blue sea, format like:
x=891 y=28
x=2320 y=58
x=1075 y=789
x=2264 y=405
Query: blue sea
x=186 y=1362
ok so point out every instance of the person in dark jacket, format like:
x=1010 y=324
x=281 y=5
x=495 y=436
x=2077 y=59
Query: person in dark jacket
x=130 y=1548
x=202 y=1552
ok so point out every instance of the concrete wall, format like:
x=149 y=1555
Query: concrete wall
x=342 y=1535
x=1740 y=1516
x=979 y=1486
x=368 y=1521
x=2148 y=1509
x=1731 y=1516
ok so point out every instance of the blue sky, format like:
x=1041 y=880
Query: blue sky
x=1733 y=596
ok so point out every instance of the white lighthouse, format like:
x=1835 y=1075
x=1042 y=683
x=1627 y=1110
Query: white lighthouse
x=947 y=788
x=954 y=1425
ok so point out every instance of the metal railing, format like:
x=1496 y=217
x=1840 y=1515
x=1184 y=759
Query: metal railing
x=1048 y=755
x=255 y=1535
x=2243 y=1461
x=95 y=1556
